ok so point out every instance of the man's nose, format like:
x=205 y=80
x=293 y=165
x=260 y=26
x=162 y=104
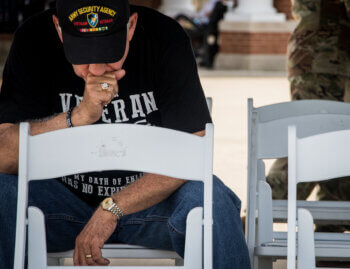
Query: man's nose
x=97 y=69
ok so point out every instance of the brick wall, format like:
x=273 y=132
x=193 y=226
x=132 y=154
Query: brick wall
x=284 y=6
x=253 y=43
x=148 y=3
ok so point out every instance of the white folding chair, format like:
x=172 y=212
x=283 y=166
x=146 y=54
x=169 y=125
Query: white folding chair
x=128 y=251
x=311 y=159
x=170 y=153
x=268 y=139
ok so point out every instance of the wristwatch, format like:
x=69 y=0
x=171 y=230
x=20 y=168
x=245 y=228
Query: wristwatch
x=108 y=204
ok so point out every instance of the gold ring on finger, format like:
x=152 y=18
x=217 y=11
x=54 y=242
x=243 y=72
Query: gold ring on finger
x=88 y=256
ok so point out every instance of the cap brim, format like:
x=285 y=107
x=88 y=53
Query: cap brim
x=96 y=49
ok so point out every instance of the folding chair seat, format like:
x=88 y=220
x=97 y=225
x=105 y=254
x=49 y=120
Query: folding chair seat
x=81 y=144
x=121 y=251
x=268 y=139
x=311 y=159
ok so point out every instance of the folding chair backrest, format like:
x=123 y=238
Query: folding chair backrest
x=117 y=147
x=111 y=147
x=268 y=139
x=309 y=116
x=315 y=158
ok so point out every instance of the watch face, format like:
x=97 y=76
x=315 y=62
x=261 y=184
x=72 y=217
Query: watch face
x=107 y=203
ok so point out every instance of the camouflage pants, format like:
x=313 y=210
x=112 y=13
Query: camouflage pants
x=314 y=86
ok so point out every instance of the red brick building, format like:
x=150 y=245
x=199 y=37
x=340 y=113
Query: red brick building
x=253 y=36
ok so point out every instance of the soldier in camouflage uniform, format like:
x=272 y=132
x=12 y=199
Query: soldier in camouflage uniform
x=318 y=68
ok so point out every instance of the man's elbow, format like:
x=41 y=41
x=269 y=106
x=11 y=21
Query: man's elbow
x=8 y=165
x=200 y=133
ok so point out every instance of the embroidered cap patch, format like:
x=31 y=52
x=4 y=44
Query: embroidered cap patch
x=92 y=19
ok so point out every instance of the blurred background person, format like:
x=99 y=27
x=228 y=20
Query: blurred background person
x=14 y=12
x=32 y=7
x=318 y=68
x=203 y=27
x=9 y=13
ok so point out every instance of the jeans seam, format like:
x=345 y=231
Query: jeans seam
x=148 y=219
x=63 y=217
x=174 y=230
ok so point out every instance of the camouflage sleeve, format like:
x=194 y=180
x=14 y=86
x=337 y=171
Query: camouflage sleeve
x=347 y=6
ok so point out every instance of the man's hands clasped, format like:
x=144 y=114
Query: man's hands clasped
x=95 y=97
x=90 y=241
x=102 y=224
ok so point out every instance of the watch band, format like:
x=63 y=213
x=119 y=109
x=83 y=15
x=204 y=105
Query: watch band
x=114 y=209
x=69 y=118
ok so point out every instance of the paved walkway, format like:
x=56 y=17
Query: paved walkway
x=230 y=96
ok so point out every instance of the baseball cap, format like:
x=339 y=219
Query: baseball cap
x=94 y=31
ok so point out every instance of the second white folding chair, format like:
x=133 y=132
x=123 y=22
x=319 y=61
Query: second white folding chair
x=268 y=139
x=311 y=159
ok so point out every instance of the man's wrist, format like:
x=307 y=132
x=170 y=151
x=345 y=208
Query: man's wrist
x=107 y=214
x=78 y=118
x=110 y=205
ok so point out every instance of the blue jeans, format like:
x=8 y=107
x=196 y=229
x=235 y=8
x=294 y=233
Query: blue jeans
x=162 y=226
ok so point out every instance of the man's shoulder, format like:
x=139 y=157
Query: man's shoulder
x=38 y=24
x=37 y=34
x=36 y=40
x=150 y=14
x=159 y=26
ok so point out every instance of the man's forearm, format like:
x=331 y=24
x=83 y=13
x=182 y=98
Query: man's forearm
x=146 y=192
x=9 y=137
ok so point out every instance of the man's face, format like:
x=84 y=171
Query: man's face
x=82 y=70
x=99 y=69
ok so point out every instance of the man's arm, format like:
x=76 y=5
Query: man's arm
x=9 y=138
x=146 y=192
x=88 y=112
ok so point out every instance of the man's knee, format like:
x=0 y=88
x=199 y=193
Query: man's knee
x=224 y=199
x=191 y=196
x=192 y=193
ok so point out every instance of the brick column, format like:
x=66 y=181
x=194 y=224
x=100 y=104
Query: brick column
x=255 y=11
x=174 y=7
x=254 y=46
x=254 y=36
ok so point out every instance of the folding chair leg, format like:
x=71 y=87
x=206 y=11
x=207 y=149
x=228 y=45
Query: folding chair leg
x=263 y=263
x=194 y=239
x=54 y=261
x=37 y=256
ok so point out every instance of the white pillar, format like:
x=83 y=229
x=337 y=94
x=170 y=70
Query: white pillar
x=255 y=11
x=174 y=7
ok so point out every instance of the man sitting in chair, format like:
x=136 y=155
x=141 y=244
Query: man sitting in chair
x=118 y=64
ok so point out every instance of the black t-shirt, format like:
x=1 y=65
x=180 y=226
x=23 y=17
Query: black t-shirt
x=161 y=87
